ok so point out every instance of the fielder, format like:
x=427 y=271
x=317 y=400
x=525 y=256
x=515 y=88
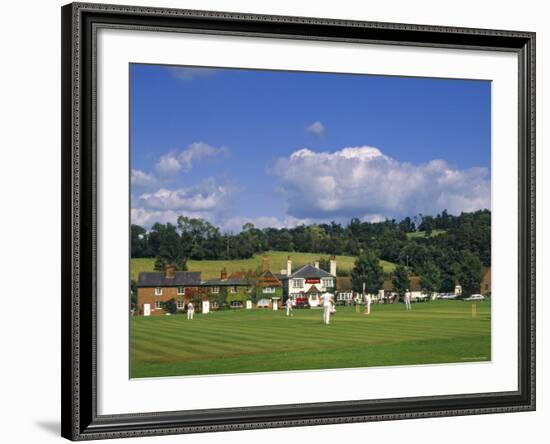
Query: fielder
x=407 y=300
x=289 y=307
x=327 y=307
x=190 y=311
x=367 y=304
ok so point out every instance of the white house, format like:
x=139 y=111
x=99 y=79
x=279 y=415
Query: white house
x=310 y=282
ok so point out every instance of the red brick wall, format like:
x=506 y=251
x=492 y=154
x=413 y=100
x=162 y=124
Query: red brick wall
x=146 y=295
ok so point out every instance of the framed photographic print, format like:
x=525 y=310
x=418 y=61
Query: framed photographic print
x=281 y=221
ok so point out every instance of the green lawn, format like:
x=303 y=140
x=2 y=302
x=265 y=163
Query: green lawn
x=242 y=341
x=418 y=234
x=277 y=262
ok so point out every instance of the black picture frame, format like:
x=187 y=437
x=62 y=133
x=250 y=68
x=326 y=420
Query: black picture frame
x=80 y=420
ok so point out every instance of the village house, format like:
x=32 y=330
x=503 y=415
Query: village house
x=269 y=288
x=156 y=287
x=310 y=282
x=235 y=289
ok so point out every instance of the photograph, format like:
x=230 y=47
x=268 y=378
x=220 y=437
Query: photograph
x=286 y=221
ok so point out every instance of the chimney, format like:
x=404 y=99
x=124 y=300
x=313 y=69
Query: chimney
x=333 y=265
x=288 y=266
x=223 y=274
x=170 y=272
x=265 y=263
x=316 y=264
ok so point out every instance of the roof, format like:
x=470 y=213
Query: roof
x=180 y=279
x=268 y=279
x=309 y=271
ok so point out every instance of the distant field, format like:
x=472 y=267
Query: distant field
x=240 y=341
x=418 y=234
x=277 y=262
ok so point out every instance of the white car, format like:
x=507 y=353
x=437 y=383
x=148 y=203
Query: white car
x=447 y=296
x=475 y=297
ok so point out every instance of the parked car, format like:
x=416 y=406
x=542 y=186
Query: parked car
x=447 y=296
x=263 y=303
x=301 y=303
x=475 y=297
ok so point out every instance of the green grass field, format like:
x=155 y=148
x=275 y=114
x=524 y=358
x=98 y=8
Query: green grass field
x=277 y=262
x=418 y=234
x=243 y=341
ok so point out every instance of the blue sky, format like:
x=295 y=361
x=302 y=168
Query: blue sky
x=283 y=148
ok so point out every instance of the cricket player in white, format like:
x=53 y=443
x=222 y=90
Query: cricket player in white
x=367 y=304
x=407 y=300
x=289 y=307
x=190 y=311
x=327 y=307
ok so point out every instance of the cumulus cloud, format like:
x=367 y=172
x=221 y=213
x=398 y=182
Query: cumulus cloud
x=188 y=74
x=207 y=200
x=168 y=164
x=171 y=163
x=197 y=151
x=140 y=178
x=316 y=128
x=363 y=182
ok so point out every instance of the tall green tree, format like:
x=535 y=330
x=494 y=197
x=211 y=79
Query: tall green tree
x=138 y=241
x=401 y=279
x=367 y=270
x=170 y=250
x=431 y=278
x=470 y=274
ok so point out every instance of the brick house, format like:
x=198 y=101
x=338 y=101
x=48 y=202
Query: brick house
x=236 y=287
x=156 y=287
x=268 y=286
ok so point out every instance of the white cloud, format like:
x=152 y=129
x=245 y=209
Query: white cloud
x=316 y=128
x=172 y=162
x=142 y=179
x=363 y=182
x=198 y=151
x=207 y=200
x=168 y=164
x=188 y=74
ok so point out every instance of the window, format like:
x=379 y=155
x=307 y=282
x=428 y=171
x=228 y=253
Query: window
x=179 y=303
x=158 y=291
x=298 y=283
x=181 y=290
x=215 y=289
x=327 y=282
x=158 y=304
x=236 y=304
x=269 y=290
x=232 y=289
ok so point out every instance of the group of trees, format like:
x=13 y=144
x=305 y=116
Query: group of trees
x=368 y=276
x=461 y=243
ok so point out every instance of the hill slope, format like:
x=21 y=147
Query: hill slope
x=277 y=262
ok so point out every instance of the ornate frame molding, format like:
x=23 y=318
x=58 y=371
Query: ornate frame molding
x=80 y=22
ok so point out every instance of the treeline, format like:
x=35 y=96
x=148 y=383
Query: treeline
x=460 y=240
